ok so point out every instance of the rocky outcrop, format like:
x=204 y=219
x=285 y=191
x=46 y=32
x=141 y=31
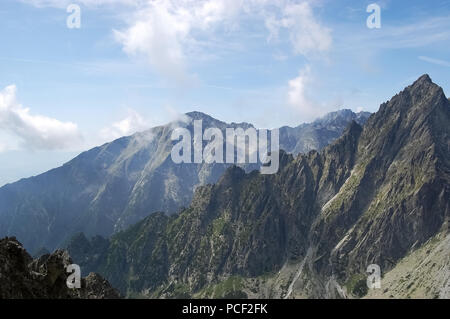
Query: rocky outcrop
x=22 y=277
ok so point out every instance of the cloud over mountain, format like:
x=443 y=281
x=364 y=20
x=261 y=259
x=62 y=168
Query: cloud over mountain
x=131 y=124
x=34 y=131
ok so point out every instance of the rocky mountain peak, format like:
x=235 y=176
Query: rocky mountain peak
x=408 y=108
x=338 y=118
x=213 y=122
x=424 y=91
x=195 y=115
x=423 y=79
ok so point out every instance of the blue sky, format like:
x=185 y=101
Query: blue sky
x=134 y=64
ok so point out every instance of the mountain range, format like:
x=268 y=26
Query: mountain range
x=378 y=195
x=110 y=187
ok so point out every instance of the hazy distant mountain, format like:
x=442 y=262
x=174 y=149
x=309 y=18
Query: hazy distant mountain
x=117 y=184
x=378 y=195
x=320 y=133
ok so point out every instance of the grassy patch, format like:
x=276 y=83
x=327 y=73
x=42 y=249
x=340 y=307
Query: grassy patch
x=357 y=285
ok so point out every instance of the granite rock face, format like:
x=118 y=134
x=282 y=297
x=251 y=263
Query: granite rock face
x=22 y=277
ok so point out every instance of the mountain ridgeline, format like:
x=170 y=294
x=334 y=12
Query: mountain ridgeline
x=118 y=184
x=377 y=195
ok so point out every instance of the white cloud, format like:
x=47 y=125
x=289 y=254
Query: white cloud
x=168 y=32
x=87 y=3
x=162 y=32
x=157 y=34
x=175 y=117
x=3 y=147
x=307 y=35
x=435 y=61
x=420 y=34
x=34 y=131
x=298 y=97
x=131 y=124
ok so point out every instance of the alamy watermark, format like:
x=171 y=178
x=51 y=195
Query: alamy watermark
x=374 y=279
x=74 y=19
x=374 y=20
x=74 y=279
x=250 y=143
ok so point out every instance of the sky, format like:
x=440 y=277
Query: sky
x=133 y=64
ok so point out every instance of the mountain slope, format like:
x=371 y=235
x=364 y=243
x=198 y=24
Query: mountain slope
x=424 y=273
x=117 y=184
x=374 y=196
x=397 y=193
